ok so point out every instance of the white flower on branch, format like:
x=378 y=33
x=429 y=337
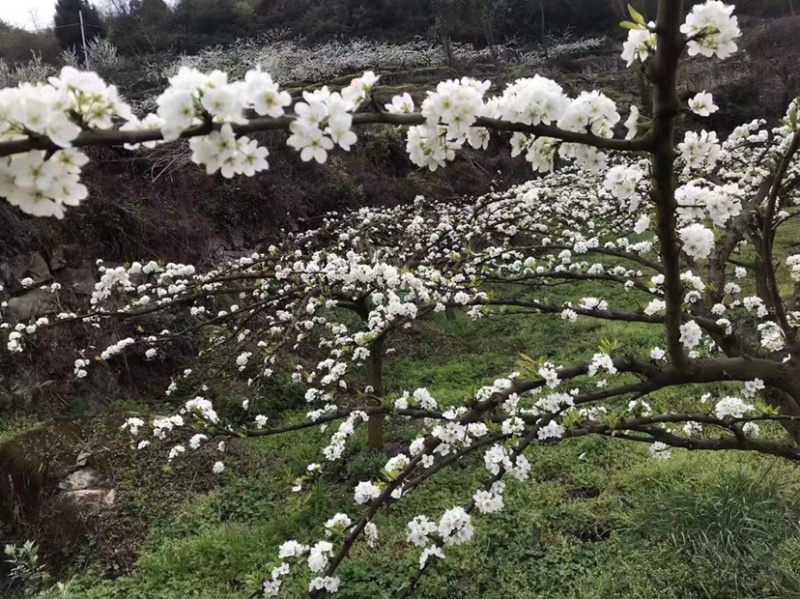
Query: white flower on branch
x=319 y=555
x=698 y=241
x=455 y=527
x=419 y=530
x=428 y=552
x=712 y=29
x=401 y=104
x=641 y=43
x=366 y=491
x=329 y=584
x=660 y=451
x=733 y=407
x=703 y=104
x=691 y=334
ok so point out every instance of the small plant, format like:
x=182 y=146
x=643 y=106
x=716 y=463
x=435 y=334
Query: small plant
x=61 y=590
x=69 y=58
x=30 y=72
x=103 y=55
x=26 y=568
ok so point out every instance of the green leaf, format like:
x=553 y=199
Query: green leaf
x=636 y=16
x=608 y=346
x=610 y=420
x=629 y=25
x=571 y=419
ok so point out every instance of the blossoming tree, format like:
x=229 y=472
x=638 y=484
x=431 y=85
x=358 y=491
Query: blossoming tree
x=685 y=229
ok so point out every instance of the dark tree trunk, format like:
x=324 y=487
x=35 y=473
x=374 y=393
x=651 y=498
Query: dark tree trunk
x=788 y=406
x=445 y=15
x=375 y=380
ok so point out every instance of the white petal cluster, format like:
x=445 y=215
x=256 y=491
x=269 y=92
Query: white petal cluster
x=455 y=105
x=698 y=241
x=640 y=45
x=622 y=180
x=202 y=408
x=700 y=150
x=401 y=104
x=734 y=407
x=428 y=146
x=772 y=337
x=329 y=584
x=719 y=203
x=265 y=95
x=419 y=531
x=366 y=491
x=533 y=101
x=116 y=348
x=222 y=151
x=319 y=555
x=433 y=550
x=691 y=333
x=660 y=451
x=371 y=534
x=338 y=523
x=712 y=29
x=194 y=97
x=751 y=388
x=455 y=527
x=793 y=262
x=450 y=112
x=553 y=430
x=132 y=425
x=491 y=501
x=703 y=104
x=292 y=548
x=324 y=119
x=42 y=185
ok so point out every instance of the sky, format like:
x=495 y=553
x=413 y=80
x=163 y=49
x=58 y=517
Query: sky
x=27 y=13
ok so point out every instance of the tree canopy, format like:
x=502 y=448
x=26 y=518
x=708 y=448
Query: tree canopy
x=682 y=228
x=66 y=22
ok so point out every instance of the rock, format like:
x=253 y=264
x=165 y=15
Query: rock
x=215 y=245
x=82 y=458
x=43 y=494
x=103 y=379
x=90 y=497
x=57 y=260
x=35 y=302
x=7 y=277
x=79 y=279
x=237 y=239
x=26 y=391
x=82 y=479
x=73 y=254
x=30 y=265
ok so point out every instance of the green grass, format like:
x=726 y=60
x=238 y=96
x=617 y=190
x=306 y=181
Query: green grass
x=599 y=519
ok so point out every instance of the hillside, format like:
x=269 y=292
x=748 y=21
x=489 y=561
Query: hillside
x=586 y=376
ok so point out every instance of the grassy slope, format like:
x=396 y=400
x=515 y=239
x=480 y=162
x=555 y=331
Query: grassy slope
x=599 y=519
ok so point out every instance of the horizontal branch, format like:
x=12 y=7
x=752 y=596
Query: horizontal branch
x=119 y=137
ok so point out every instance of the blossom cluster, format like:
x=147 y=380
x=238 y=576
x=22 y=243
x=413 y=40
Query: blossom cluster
x=212 y=110
x=322 y=307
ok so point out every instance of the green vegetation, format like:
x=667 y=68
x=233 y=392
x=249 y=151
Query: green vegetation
x=139 y=27
x=599 y=518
